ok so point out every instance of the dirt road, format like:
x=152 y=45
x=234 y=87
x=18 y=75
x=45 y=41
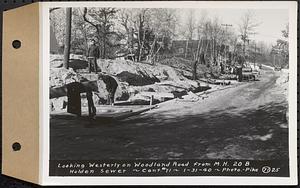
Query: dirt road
x=245 y=121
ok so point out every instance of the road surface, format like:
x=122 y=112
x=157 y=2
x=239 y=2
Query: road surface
x=243 y=121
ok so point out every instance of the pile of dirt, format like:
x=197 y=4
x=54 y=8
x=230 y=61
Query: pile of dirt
x=283 y=80
x=186 y=67
x=168 y=87
x=140 y=74
x=141 y=77
x=133 y=78
x=178 y=63
x=76 y=62
x=61 y=76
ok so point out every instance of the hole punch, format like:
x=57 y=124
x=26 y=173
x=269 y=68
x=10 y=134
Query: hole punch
x=16 y=44
x=16 y=146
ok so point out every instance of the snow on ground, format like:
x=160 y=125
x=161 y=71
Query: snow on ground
x=238 y=121
x=133 y=78
x=272 y=87
x=267 y=66
x=283 y=78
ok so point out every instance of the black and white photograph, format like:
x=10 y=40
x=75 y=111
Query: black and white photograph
x=168 y=91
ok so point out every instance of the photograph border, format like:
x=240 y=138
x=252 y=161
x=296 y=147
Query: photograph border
x=45 y=179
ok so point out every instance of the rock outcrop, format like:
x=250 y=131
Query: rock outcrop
x=133 y=79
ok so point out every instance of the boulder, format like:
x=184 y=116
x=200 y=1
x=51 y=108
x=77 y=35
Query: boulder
x=61 y=76
x=134 y=80
x=140 y=74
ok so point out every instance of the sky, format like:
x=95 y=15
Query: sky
x=272 y=21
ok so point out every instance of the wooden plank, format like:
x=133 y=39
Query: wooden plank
x=158 y=94
x=134 y=113
x=62 y=91
x=107 y=116
x=113 y=115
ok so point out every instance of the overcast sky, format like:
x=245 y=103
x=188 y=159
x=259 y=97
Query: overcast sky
x=272 y=21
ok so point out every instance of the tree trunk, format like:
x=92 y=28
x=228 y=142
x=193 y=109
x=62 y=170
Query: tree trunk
x=142 y=46
x=199 y=48
x=186 y=48
x=206 y=48
x=68 y=37
x=195 y=70
x=197 y=51
x=104 y=46
x=152 y=48
x=104 y=33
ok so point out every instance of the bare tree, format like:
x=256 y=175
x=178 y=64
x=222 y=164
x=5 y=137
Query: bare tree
x=126 y=20
x=147 y=30
x=140 y=27
x=247 y=27
x=68 y=37
x=53 y=9
x=58 y=23
x=163 y=24
x=200 y=32
x=281 y=49
x=200 y=27
x=190 y=29
x=102 y=19
x=136 y=25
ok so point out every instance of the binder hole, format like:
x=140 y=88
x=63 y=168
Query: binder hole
x=16 y=146
x=16 y=44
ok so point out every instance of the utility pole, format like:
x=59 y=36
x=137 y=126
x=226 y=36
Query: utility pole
x=254 y=54
x=68 y=37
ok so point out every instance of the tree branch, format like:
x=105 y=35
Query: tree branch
x=88 y=21
x=52 y=9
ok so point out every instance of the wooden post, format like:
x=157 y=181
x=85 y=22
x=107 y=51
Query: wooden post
x=254 y=55
x=68 y=37
x=151 y=100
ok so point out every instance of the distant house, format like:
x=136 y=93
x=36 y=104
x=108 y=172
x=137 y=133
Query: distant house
x=182 y=48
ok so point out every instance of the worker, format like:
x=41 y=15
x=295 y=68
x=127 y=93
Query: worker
x=222 y=67
x=92 y=56
x=239 y=73
x=111 y=87
x=202 y=59
x=195 y=70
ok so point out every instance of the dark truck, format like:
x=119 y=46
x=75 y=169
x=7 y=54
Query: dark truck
x=246 y=74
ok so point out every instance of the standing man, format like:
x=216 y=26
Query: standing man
x=111 y=87
x=195 y=63
x=92 y=56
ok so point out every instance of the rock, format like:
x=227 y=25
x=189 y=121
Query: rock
x=136 y=79
x=133 y=73
x=140 y=74
x=76 y=62
x=56 y=64
x=133 y=79
x=61 y=76
x=191 y=96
